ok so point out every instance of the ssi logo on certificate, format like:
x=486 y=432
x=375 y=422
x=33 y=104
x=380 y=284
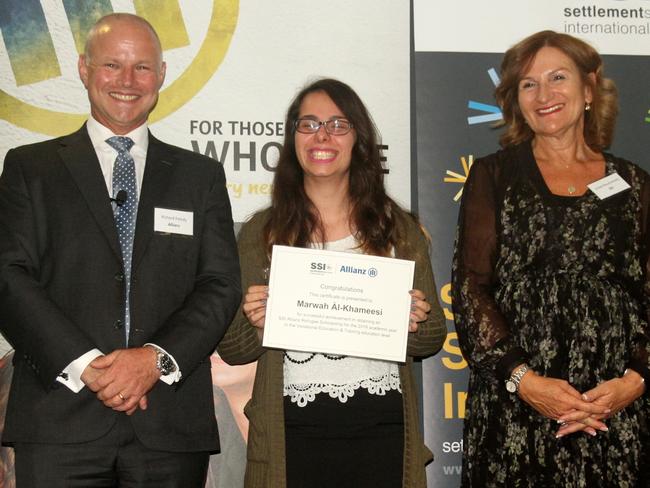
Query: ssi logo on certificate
x=328 y=268
x=321 y=268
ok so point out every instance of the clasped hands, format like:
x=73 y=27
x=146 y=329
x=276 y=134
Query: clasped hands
x=575 y=411
x=123 y=378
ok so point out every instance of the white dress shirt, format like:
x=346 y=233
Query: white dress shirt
x=71 y=375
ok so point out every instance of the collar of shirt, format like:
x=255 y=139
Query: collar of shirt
x=107 y=155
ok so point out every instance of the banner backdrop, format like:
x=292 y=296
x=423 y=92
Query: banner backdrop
x=232 y=69
x=459 y=49
x=234 y=66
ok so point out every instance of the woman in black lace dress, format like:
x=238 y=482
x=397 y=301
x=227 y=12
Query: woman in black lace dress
x=550 y=280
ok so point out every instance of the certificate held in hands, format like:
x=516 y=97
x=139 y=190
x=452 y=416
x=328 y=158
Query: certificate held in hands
x=338 y=303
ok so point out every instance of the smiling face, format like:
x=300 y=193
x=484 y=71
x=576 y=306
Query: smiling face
x=552 y=95
x=322 y=155
x=123 y=72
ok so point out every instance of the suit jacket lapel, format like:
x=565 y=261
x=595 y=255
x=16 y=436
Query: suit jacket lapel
x=157 y=174
x=79 y=157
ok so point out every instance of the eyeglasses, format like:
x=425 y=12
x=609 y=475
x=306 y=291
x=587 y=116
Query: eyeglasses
x=333 y=126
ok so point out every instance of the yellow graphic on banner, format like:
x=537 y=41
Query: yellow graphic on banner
x=453 y=357
x=167 y=18
x=454 y=405
x=453 y=177
x=165 y=15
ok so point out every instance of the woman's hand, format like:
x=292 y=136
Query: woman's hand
x=555 y=398
x=614 y=394
x=617 y=393
x=254 y=306
x=420 y=309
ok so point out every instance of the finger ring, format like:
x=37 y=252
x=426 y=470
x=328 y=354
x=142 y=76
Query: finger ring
x=121 y=397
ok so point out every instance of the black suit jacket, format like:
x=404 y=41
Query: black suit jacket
x=62 y=288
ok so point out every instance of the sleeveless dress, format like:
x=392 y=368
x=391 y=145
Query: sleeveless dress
x=561 y=283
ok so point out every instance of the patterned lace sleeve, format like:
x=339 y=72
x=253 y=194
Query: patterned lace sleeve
x=640 y=354
x=483 y=332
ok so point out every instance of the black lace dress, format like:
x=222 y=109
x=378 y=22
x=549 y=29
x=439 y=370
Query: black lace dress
x=561 y=283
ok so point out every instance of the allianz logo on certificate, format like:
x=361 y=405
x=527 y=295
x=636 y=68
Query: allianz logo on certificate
x=372 y=272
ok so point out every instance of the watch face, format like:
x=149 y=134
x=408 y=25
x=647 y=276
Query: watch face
x=166 y=365
x=510 y=386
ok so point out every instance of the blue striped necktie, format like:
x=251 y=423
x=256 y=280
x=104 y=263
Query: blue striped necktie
x=125 y=213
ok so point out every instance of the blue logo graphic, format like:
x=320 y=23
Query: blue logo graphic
x=492 y=113
x=372 y=272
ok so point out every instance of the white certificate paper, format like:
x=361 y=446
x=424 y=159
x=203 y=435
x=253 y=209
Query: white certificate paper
x=338 y=303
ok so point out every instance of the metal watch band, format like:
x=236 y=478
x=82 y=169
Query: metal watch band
x=512 y=384
x=164 y=362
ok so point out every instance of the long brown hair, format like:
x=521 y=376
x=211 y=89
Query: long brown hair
x=294 y=219
x=599 y=121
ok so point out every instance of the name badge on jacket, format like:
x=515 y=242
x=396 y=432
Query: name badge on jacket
x=608 y=186
x=171 y=221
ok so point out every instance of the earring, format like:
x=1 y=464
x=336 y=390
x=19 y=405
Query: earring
x=587 y=106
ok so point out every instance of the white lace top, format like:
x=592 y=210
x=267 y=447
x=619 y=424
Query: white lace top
x=307 y=374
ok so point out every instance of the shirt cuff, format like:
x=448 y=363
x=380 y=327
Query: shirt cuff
x=170 y=378
x=71 y=375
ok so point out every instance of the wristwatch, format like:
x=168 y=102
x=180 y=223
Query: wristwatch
x=512 y=383
x=164 y=363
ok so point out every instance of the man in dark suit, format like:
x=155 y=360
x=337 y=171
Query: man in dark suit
x=118 y=276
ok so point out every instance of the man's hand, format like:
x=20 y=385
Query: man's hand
x=127 y=376
x=90 y=376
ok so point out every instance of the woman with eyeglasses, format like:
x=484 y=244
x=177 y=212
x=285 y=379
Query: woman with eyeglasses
x=319 y=419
